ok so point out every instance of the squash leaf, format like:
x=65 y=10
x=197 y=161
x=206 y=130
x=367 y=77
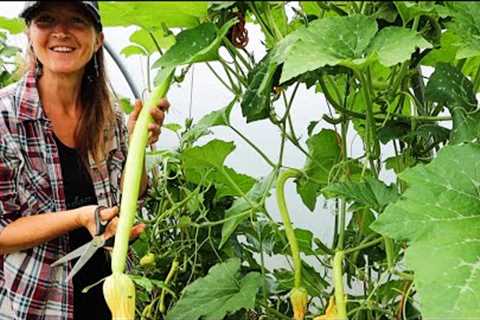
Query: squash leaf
x=395 y=44
x=324 y=151
x=466 y=27
x=195 y=45
x=350 y=41
x=152 y=14
x=204 y=164
x=439 y=216
x=448 y=86
x=221 y=292
x=241 y=208
x=256 y=101
x=371 y=193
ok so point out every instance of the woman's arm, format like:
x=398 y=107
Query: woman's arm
x=30 y=231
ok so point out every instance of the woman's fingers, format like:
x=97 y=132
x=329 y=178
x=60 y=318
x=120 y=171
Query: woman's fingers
x=158 y=115
x=136 y=109
x=111 y=228
x=137 y=230
x=108 y=213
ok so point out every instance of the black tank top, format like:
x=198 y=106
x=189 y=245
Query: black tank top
x=79 y=192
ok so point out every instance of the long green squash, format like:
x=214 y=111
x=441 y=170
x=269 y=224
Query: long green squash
x=118 y=288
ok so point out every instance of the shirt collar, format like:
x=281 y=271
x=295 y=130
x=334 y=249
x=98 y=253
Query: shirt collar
x=29 y=107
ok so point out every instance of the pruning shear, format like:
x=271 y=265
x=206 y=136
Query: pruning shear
x=86 y=251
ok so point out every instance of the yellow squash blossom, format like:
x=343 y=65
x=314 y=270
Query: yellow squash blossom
x=299 y=300
x=330 y=313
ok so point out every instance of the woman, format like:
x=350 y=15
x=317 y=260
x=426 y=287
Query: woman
x=62 y=151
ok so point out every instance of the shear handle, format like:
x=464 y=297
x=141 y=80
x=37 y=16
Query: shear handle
x=100 y=224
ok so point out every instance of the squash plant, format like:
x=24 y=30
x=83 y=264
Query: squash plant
x=403 y=76
x=405 y=250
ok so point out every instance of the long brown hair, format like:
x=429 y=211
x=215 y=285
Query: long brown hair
x=95 y=127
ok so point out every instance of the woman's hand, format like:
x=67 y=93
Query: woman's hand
x=87 y=220
x=158 y=115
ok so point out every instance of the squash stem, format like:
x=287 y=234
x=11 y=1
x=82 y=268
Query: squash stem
x=133 y=174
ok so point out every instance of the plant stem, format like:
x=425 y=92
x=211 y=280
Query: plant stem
x=235 y=53
x=277 y=313
x=169 y=277
x=258 y=150
x=338 y=283
x=379 y=118
x=220 y=79
x=372 y=144
x=476 y=81
x=389 y=252
x=292 y=239
x=259 y=18
x=133 y=173
x=363 y=246
x=341 y=224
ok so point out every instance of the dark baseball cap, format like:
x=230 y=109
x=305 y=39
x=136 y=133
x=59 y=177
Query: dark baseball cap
x=90 y=6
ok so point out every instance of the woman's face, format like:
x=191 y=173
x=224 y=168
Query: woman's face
x=63 y=38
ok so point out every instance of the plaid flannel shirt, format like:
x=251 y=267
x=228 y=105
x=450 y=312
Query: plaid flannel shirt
x=31 y=183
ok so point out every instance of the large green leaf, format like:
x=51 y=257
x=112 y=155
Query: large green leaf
x=242 y=208
x=395 y=44
x=328 y=41
x=445 y=53
x=207 y=157
x=152 y=14
x=466 y=26
x=143 y=39
x=195 y=45
x=439 y=215
x=324 y=151
x=204 y=164
x=351 y=41
x=221 y=292
x=450 y=87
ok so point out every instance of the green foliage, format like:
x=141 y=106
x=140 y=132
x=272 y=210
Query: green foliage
x=339 y=41
x=194 y=45
x=152 y=14
x=246 y=206
x=12 y=25
x=210 y=159
x=449 y=87
x=329 y=41
x=143 y=43
x=395 y=44
x=439 y=215
x=410 y=245
x=257 y=98
x=466 y=28
x=223 y=291
x=324 y=153
x=372 y=193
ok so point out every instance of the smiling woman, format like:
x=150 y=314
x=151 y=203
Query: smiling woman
x=63 y=148
x=61 y=54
